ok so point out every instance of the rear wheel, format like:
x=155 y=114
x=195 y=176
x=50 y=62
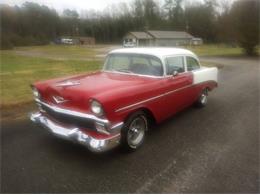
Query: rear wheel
x=203 y=99
x=134 y=131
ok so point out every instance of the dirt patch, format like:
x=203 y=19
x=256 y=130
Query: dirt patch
x=99 y=51
x=18 y=111
x=104 y=49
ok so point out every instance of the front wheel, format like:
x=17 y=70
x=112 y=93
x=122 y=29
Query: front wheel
x=134 y=131
x=203 y=99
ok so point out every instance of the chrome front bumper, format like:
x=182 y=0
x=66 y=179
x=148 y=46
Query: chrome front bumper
x=76 y=135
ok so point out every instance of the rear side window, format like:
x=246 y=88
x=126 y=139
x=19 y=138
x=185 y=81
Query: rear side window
x=175 y=64
x=192 y=64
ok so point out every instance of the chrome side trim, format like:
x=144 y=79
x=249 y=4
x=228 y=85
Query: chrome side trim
x=67 y=83
x=116 y=128
x=76 y=135
x=117 y=125
x=138 y=103
x=153 y=98
x=73 y=113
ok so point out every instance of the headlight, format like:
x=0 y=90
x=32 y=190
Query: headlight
x=36 y=93
x=96 y=108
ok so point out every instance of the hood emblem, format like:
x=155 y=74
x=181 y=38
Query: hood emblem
x=68 y=83
x=59 y=99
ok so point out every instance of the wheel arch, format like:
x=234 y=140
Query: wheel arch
x=150 y=116
x=211 y=85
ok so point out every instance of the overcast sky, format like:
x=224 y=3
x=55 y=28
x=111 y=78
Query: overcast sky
x=78 y=5
x=82 y=5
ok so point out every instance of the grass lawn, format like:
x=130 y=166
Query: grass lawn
x=61 y=52
x=24 y=65
x=18 y=72
x=216 y=50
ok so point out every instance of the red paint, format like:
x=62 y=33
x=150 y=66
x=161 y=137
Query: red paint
x=115 y=91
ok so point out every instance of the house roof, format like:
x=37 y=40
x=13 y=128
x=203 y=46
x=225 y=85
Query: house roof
x=157 y=51
x=141 y=35
x=170 y=34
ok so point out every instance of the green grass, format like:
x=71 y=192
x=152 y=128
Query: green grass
x=216 y=50
x=63 y=52
x=18 y=72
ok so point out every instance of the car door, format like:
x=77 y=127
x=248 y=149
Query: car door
x=178 y=86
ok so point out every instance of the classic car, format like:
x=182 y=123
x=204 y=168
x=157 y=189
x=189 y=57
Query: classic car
x=137 y=87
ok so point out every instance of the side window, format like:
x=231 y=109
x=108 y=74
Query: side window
x=156 y=67
x=174 y=64
x=192 y=63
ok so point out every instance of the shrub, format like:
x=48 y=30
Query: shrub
x=5 y=43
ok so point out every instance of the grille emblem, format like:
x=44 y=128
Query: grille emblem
x=59 y=99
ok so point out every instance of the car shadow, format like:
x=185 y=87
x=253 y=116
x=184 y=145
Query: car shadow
x=67 y=149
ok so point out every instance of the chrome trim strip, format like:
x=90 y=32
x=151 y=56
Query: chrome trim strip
x=76 y=135
x=153 y=98
x=138 y=103
x=73 y=113
x=117 y=125
x=68 y=83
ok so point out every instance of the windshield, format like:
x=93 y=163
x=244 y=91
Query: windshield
x=134 y=64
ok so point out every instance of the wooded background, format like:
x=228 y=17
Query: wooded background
x=235 y=23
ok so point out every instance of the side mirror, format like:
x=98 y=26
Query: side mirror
x=175 y=73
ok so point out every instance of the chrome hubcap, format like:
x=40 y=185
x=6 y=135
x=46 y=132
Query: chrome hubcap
x=136 y=132
x=203 y=99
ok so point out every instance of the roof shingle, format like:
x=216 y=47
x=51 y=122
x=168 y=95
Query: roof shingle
x=141 y=35
x=170 y=34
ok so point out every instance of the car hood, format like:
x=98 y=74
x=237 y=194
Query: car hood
x=78 y=90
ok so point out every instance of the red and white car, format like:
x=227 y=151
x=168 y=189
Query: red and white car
x=137 y=87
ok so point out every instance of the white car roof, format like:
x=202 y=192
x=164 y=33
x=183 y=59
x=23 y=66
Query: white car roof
x=158 y=52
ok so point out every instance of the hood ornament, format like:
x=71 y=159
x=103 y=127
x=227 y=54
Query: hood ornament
x=68 y=83
x=59 y=99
